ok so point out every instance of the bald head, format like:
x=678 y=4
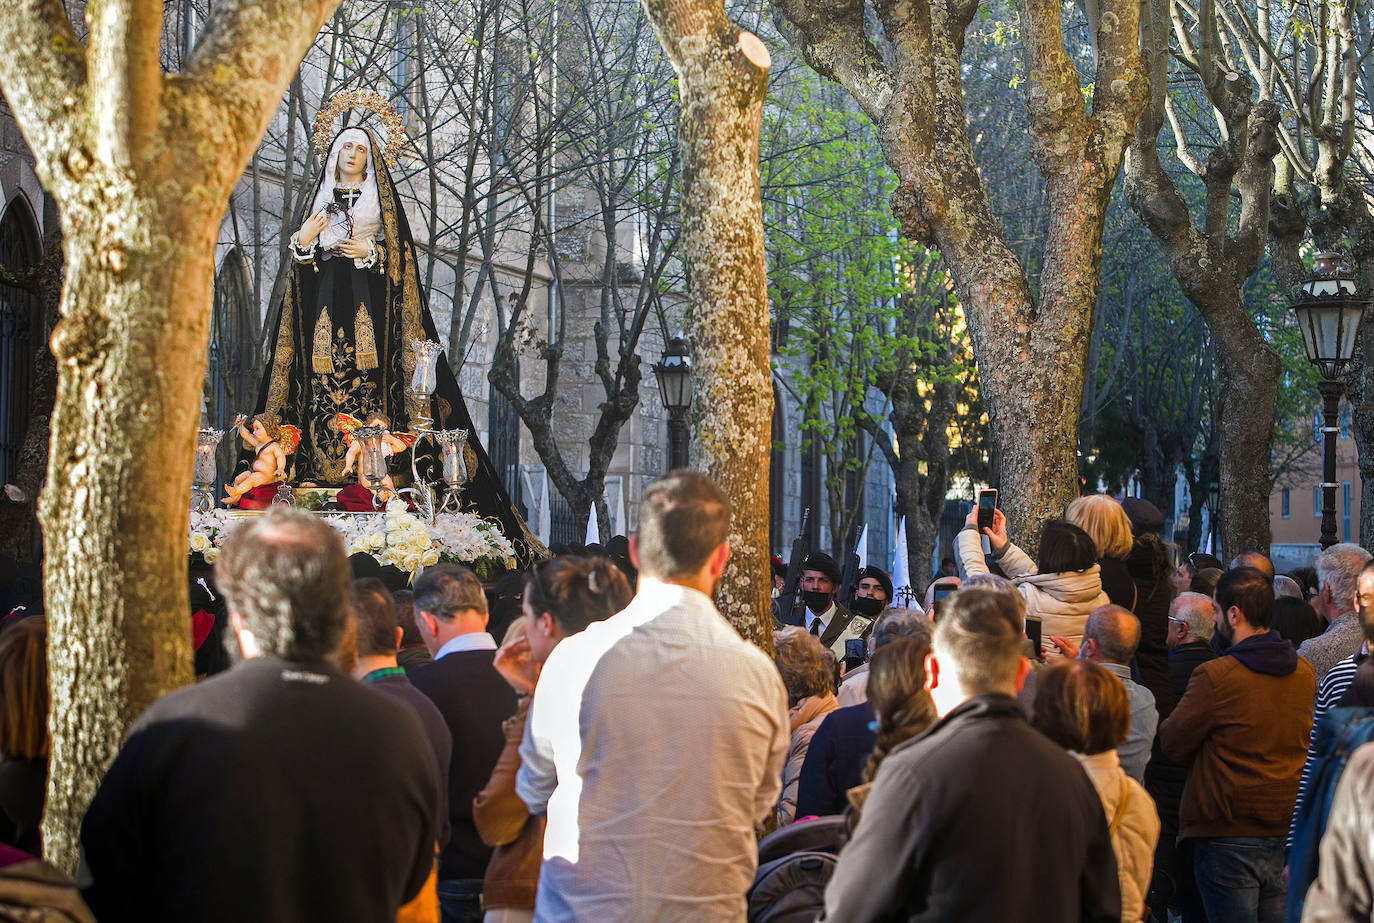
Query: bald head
x=1256 y=560
x=1111 y=635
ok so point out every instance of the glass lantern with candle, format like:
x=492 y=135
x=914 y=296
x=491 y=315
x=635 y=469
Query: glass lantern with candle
x=204 y=472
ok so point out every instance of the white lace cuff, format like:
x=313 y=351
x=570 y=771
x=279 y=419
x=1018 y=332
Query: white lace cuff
x=370 y=260
x=302 y=254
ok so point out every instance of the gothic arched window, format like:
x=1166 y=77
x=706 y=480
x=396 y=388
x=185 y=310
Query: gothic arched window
x=232 y=367
x=21 y=332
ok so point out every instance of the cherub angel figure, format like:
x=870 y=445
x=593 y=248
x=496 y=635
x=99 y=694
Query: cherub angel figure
x=273 y=443
x=392 y=444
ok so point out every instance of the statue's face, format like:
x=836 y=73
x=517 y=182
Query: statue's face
x=352 y=160
x=259 y=430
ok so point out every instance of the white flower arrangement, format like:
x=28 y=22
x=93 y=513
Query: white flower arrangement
x=395 y=536
x=207 y=531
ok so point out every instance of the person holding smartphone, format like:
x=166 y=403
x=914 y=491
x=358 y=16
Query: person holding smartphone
x=1062 y=586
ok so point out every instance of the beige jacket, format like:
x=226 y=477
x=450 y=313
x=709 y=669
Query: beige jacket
x=1063 y=601
x=1133 y=824
x=803 y=718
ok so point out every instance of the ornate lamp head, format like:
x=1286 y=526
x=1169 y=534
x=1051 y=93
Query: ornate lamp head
x=674 y=373
x=1329 y=311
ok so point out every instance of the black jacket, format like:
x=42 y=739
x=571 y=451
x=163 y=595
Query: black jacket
x=835 y=760
x=474 y=700
x=1164 y=779
x=979 y=818
x=1153 y=663
x=274 y=792
x=436 y=732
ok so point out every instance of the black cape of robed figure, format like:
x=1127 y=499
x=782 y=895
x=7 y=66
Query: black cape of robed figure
x=341 y=338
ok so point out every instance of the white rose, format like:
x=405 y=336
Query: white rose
x=211 y=554
x=199 y=542
x=376 y=541
x=429 y=558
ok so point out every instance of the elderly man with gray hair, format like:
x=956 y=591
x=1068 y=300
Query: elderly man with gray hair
x=844 y=740
x=1338 y=572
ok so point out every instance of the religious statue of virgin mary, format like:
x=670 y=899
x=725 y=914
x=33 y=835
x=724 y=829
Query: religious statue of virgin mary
x=350 y=309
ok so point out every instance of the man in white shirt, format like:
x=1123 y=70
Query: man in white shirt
x=656 y=738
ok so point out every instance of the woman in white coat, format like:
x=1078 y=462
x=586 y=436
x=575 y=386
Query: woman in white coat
x=1061 y=587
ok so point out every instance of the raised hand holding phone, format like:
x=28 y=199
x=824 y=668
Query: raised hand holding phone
x=997 y=533
x=987 y=504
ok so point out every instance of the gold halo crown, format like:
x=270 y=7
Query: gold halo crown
x=359 y=99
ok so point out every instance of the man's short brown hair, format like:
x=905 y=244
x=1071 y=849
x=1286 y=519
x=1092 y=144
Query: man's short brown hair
x=683 y=518
x=448 y=589
x=977 y=637
x=375 y=612
x=286 y=576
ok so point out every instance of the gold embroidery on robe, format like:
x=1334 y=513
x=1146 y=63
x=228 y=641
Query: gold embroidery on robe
x=320 y=360
x=366 y=340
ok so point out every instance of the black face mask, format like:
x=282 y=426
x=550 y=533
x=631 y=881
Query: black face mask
x=867 y=606
x=817 y=601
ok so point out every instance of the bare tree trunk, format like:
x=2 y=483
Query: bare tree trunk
x=1212 y=266
x=1031 y=354
x=722 y=76
x=141 y=164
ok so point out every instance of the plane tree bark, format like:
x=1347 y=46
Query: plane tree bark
x=722 y=77
x=140 y=163
x=1212 y=257
x=1031 y=351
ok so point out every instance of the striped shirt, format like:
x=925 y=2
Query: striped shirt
x=1329 y=692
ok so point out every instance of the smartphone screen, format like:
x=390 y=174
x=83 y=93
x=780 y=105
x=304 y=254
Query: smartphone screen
x=1033 y=626
x=855 y=649
x=938 y=600
x=987 y=502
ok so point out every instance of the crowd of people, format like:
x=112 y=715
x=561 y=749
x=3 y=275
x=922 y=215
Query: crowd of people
x=1092 y=732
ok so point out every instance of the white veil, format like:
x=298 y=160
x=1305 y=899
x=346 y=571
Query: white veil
x=366 y=213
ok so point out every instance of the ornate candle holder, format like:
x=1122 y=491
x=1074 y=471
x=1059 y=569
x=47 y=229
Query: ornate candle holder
x=423 y=383
x=204 y=471
x=372 y=463
x=424 y=380
x=451 y=444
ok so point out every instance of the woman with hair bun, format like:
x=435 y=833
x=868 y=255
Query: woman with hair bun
x=897 y=694
x=562 y=597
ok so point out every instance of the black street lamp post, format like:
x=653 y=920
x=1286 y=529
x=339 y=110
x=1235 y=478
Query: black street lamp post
x=1213 y=504
x=674 y=372
x=1329 y=311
